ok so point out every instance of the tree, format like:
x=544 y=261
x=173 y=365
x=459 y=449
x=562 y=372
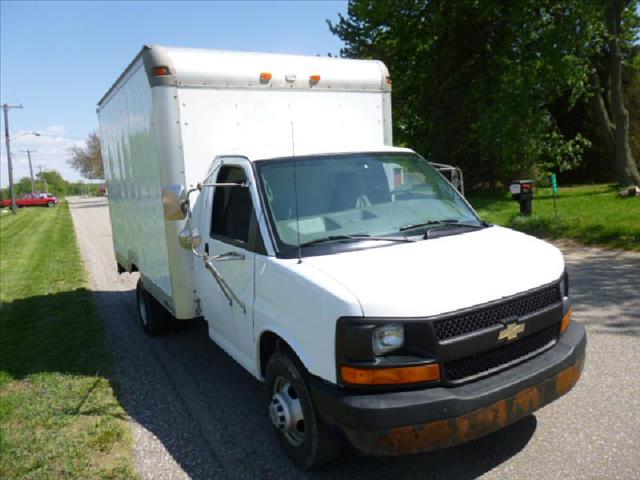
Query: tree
x=54 y=181
x=480 y=84
x=23 y=186
x=88 y=159
x=611 y=112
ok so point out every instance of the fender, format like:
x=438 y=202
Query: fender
x=289 y=340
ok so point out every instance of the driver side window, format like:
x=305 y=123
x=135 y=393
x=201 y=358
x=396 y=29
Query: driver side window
x=232 y=208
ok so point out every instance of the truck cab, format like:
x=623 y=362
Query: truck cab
x=263 y=193
x=376 y=303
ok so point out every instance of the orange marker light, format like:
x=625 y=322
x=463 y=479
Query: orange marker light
x=160 y=71
x=390 y=376
x=566 y=320
x=314 y=78
x=388 y=79
x=265 y=77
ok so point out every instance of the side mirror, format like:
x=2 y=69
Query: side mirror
x=189 y=238
x=453 y=174
x=174 y=202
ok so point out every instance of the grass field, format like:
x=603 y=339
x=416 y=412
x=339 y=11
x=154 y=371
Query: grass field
x=59 y=415
x=591 y=215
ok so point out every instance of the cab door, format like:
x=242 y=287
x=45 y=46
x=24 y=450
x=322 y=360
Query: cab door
x=225 y=283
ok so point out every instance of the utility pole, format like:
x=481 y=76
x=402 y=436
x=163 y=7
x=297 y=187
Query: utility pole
x=46 y=185
x=12 y=192
x=29 y=152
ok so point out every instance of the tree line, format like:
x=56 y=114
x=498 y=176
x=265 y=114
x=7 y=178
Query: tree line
x=51 y=181
x=509 y=89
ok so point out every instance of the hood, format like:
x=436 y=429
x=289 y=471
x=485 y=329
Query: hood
x=445 y=274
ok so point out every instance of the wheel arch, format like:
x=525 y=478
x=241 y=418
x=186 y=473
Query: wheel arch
x=269 y=341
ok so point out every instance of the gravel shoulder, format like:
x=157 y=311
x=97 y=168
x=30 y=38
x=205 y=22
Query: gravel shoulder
x=196 y=413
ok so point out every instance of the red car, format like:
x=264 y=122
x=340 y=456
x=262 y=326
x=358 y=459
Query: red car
x=33 y=200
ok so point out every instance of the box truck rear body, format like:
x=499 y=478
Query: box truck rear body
x=161 y=127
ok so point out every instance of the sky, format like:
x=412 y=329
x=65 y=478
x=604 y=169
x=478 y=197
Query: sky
x=58 y=58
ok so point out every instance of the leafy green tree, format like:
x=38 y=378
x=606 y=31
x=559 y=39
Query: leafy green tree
x=621 y=20
x=88 y=159
x=476 y=83
x=54 y=182
x=22 y=186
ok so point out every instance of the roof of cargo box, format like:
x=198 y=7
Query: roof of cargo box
x=197 y=67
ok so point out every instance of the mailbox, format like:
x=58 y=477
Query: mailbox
x=522 y=192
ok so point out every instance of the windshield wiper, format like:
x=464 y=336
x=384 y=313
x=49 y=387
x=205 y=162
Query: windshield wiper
x=444 y=221
x=336 y=238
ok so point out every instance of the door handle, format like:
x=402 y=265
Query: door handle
x=225 y=257
x=224 y=286
x=206 y=248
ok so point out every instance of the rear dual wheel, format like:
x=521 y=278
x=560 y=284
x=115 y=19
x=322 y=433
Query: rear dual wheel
x=303 y=435
x=152 y=315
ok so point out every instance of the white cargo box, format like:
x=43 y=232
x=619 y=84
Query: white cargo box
x=173 y=110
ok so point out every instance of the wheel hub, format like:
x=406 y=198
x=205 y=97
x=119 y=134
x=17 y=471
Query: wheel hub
x=285 y=411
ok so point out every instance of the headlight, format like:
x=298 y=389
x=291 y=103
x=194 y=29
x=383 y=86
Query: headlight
x=388 y=338
x=564 y=284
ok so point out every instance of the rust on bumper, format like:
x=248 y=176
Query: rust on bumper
x=458 y=430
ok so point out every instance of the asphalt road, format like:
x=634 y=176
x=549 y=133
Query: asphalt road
x=196 y=413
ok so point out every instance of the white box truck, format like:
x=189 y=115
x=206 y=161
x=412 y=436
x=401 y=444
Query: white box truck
x=262 y=193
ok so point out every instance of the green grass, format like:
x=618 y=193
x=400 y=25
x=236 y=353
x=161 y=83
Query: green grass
x=59 y=416
x=591 y=215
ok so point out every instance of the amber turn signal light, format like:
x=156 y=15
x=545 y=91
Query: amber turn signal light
x=390 y=376
x=566 y=319
x=160 y=71
x=265 y=77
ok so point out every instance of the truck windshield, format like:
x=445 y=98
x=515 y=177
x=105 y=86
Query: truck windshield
x=357 y=195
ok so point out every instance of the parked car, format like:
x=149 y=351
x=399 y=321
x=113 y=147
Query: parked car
x=263 y=193
x=33 y=200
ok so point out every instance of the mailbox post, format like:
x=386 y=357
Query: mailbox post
x=522 y=192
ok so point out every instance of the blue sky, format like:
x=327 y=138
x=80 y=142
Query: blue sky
x=58 y=58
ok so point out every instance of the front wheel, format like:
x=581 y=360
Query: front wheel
x=152 y=315
x=51 y=204
x=305 y=438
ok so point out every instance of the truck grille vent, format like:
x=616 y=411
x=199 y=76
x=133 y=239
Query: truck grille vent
x=502 y=357
x=486 y=317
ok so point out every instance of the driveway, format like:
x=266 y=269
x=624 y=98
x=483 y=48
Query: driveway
x=196 y=413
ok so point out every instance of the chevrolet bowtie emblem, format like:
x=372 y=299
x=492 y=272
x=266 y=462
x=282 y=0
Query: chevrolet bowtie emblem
x=511 y=331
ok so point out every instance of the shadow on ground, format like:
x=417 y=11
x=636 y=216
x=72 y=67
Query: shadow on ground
x=90 y=205
x=604 y=286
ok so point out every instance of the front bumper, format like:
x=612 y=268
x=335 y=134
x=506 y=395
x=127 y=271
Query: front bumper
x=432 y=418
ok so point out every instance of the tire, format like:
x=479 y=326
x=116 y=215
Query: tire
x=51 y=204
x=308 y=441
x=152 y=315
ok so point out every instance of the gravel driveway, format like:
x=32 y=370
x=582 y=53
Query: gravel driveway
x=196 y=413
